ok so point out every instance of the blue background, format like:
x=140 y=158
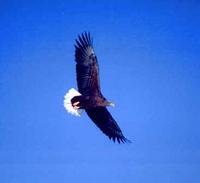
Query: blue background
x=148 y=53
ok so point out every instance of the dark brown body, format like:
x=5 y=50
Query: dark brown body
x=88 y=102
x=91 y=99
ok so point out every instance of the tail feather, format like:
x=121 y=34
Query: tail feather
x=67 y=102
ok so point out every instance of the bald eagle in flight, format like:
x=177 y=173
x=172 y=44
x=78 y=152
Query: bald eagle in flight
x=89 y=96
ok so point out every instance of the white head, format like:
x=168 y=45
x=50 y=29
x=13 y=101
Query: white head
x=112 y=104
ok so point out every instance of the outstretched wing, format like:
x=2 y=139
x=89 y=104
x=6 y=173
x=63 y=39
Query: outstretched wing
x=87 y=69
x=103 y=119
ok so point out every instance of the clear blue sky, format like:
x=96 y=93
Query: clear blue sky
x=148 y=53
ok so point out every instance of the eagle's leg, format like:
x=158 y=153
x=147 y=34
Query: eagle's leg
x=76 y=105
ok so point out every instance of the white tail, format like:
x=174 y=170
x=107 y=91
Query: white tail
x=67 y=102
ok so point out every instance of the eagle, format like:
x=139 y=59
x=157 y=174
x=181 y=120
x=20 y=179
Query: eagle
x=89 y=96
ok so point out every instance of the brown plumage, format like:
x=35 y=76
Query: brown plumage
x=91 y=99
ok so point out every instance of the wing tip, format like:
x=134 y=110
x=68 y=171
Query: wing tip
x=120 y=139
x=84 y=39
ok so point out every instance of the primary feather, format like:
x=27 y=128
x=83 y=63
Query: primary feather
x=87 y=68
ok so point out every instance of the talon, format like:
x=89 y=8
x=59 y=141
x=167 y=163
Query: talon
x=76 y=103
x=76 y=107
